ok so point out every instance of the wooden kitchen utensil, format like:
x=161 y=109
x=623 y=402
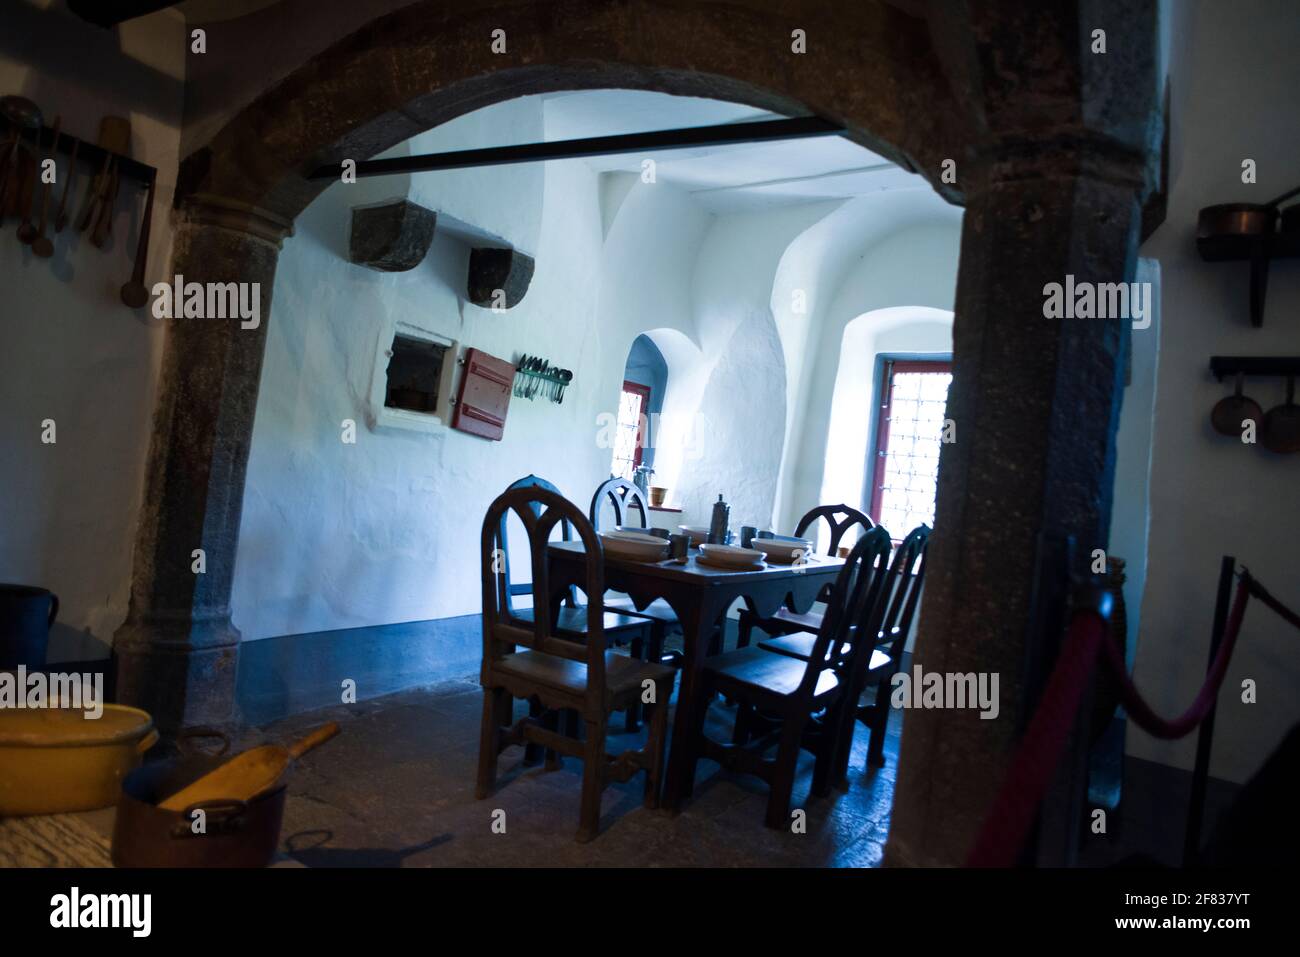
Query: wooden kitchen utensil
x=114 y=137
x=134 y=293
x=41 y=245
x=104 y=221
x=61 y=219
x=8 y=150
x=22 y=114
x=248 y=774
x=29 y=170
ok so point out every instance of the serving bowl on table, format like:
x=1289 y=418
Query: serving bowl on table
x=786 y=552
x=634 y=546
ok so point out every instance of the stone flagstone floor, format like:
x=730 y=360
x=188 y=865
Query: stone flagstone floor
x=396 y=788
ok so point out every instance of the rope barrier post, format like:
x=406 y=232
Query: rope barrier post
x=1205 y=735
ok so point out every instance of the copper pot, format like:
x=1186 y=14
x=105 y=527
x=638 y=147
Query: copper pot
x=1228 y=414
x=1281 y=429
x=237 y=834
x=1236 y=219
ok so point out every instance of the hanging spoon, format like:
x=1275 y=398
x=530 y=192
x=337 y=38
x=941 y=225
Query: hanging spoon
x=41 y=245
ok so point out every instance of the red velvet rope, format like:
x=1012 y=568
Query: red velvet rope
x=1141 y=712
x=1012 y=814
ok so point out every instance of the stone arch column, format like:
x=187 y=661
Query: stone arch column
x=1053 y=183
x=177 y=652
x=1051 y=179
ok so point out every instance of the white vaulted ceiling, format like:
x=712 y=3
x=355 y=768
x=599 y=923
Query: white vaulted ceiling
x=724 y=178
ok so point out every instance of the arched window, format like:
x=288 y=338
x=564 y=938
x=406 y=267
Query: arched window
x=645 y=380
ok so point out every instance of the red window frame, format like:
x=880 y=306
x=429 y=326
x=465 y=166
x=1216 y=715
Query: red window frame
x=878 y=453
x=644 y=392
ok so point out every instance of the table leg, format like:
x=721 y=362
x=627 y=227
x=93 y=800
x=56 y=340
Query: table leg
x=697 y=627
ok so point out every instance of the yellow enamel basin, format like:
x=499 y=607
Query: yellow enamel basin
x=55 y=759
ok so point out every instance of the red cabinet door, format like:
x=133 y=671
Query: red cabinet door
x=483 y=396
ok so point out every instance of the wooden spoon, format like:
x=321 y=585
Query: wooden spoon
x=9 y=148
x=41 y=245
x=134 y=293
x=26 y=231
x=61 y=219
x=114 y=137
x=104 y=224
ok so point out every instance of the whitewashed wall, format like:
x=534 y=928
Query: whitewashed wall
x=1235 y=74
x=72 y=352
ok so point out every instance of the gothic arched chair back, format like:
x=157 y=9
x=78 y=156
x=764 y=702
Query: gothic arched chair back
x=558 y=672
x=624 y=497
x=840 y=518
x=779 y=697
x=539 y=509
x=515 y=589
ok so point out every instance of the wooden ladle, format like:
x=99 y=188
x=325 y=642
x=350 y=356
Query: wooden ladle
x=41 y=244
x=134 y=293
x=1228 y=414
x=1281 y=429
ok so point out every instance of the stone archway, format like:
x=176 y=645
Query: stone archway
x=1051 y=183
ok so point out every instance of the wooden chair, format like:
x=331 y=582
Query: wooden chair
x=800 y=702
x=571 y=617
x=787 y=621
x=875 y=662
x=623 y=497
x=556 y=671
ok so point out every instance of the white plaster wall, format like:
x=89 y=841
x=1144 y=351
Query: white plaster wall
x=897 y=330
x=916 y=266
x=741 y=383
x=1235 y=74
x=386 y=530
x=1131 y=510
x=72 y=352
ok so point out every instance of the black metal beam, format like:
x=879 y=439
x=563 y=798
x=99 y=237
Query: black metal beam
x=725 y=134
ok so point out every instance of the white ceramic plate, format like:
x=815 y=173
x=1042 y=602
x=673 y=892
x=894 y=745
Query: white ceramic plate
x=786 y=553
x=729 y=556
x=634 y=546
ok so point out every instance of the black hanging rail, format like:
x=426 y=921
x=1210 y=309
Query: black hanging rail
x=725 y=134
x=88 y=152
x=1223 y=366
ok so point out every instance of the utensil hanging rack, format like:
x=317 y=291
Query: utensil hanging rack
x=1224 y=234
x=89 y=153
x=535 y=376
x=1280 y=366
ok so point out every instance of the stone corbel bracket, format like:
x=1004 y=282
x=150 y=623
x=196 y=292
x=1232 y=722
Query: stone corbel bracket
x=391 y=237
x=498 y=278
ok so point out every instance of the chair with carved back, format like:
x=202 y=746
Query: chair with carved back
x=875 y=662
x=619 y=627
x=801 y=703
x=570 y=616
x=787 y=621
x=623 y=497
x=559 y=671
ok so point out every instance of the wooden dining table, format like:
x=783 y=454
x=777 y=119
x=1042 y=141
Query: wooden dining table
x=701 y=595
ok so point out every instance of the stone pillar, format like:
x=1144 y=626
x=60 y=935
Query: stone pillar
x=1036 y=405
x=178 y=653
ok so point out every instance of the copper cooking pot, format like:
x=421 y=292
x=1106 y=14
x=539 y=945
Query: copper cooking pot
x=238 y=834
